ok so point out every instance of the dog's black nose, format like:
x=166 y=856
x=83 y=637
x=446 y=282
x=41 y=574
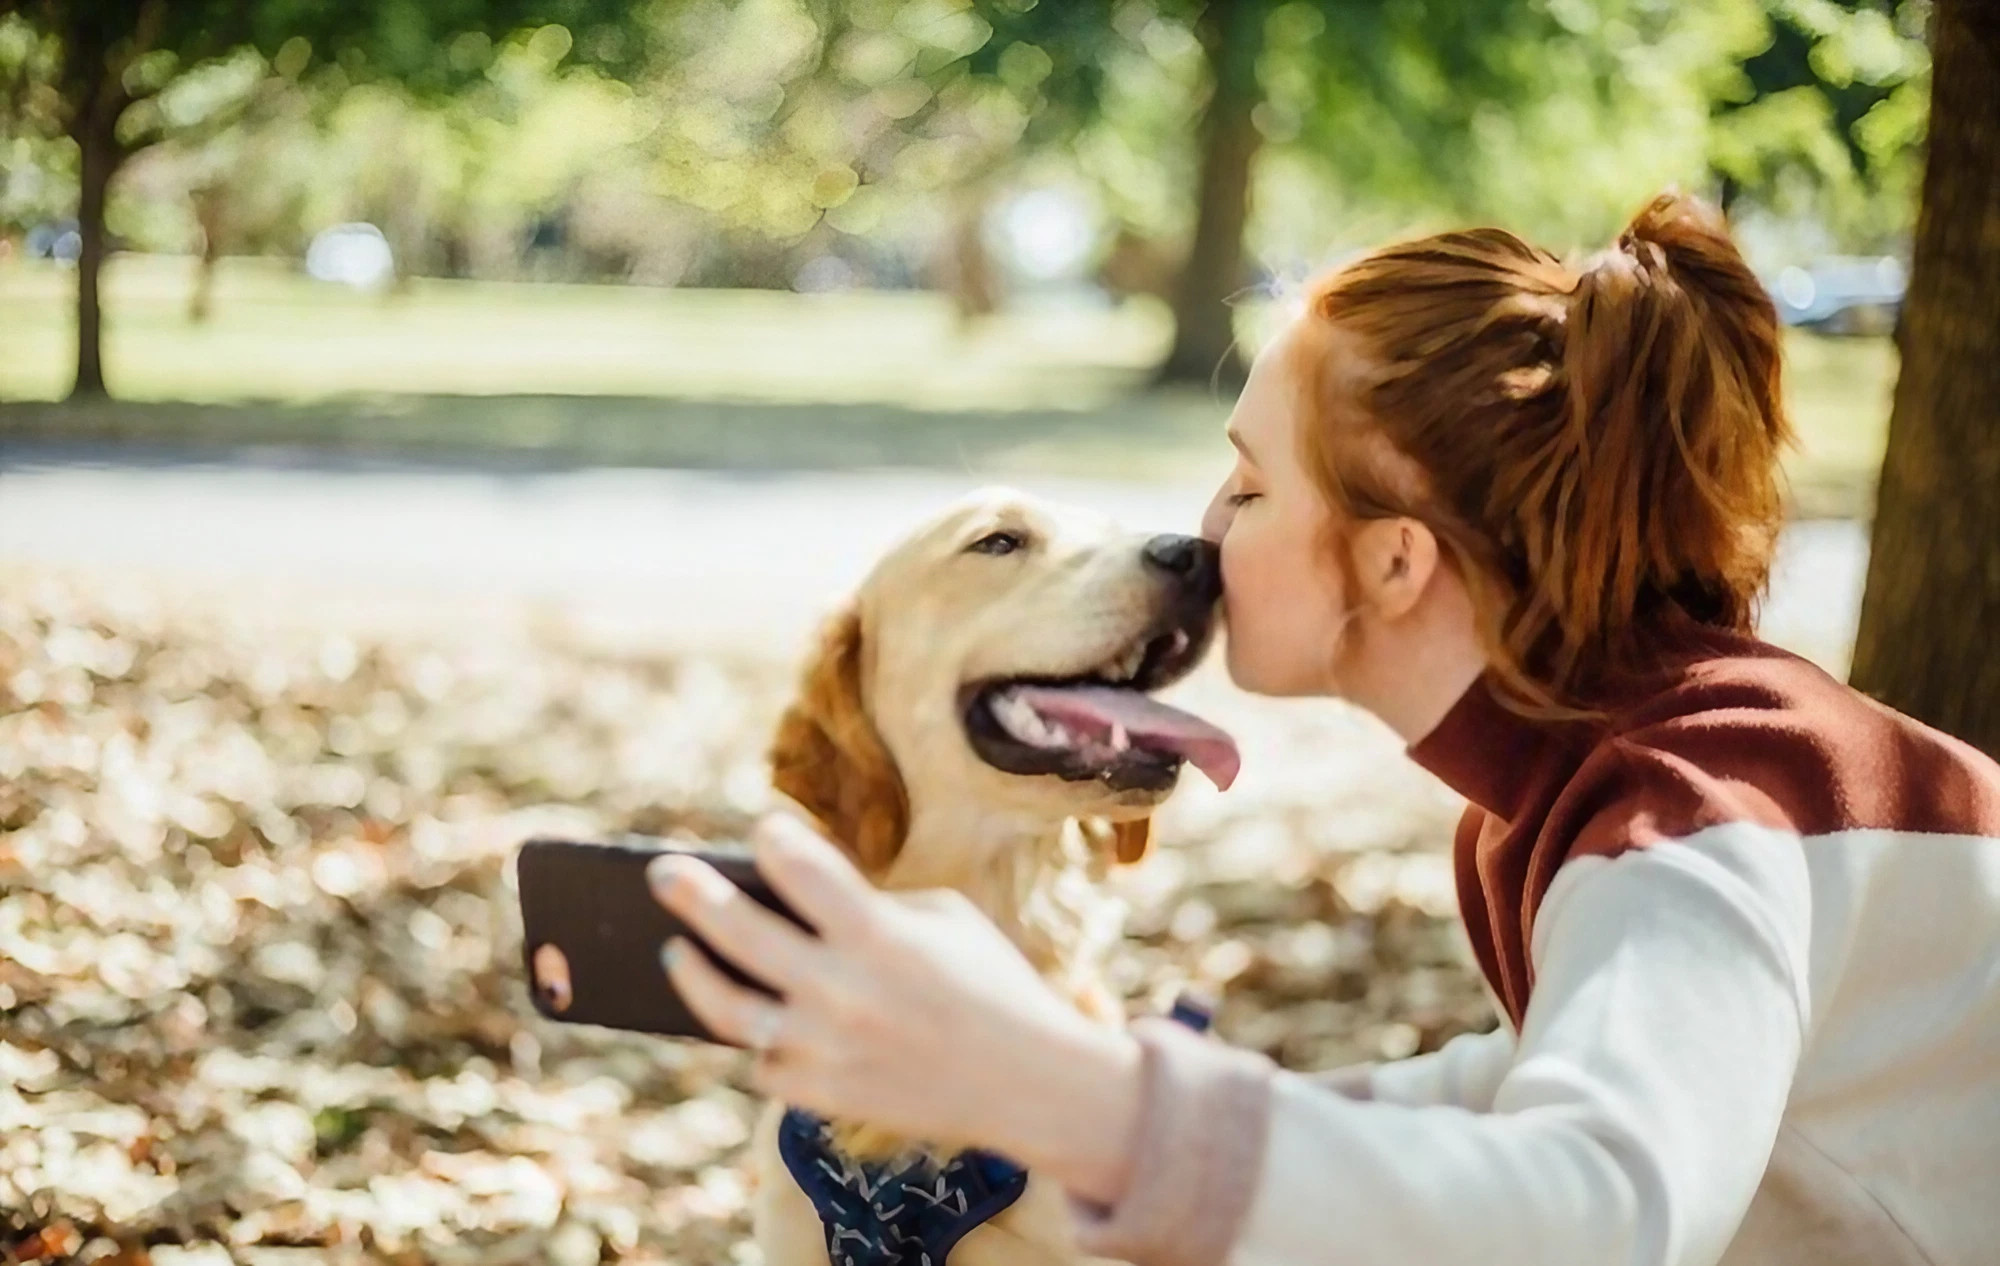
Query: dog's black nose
x=1177 y=554
x=1189 y=560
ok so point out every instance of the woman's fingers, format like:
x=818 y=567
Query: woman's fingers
x=765 y=945
x=813 y=876
x=728 y=1010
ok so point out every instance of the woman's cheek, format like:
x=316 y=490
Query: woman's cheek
x=1234 y=583
x=1239 y=612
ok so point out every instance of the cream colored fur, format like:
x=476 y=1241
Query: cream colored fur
x=875 y=748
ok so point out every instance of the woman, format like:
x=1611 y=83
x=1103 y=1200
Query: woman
x=1742 y=923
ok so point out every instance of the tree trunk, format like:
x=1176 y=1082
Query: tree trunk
x=97 y=143
x=210 y=203
x=974 y=286
x=1232 y=35
x=1933 y=596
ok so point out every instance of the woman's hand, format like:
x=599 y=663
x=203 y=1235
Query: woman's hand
x=910 y=1012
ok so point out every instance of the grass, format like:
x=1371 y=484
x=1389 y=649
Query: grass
x=277 y=335
x=730 y=378
x=1838 y=391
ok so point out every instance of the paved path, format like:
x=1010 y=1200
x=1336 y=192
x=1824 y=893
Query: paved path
x=691 y=558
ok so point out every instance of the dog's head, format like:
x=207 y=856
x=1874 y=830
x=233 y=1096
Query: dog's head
x=1002 y=658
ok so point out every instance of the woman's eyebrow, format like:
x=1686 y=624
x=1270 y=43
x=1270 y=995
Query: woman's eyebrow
x=1236 y=438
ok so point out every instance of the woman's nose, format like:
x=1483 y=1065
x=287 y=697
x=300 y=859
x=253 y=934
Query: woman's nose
x=1215 y=519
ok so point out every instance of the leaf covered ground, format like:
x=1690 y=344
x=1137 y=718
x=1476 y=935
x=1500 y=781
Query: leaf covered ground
x=259 y=986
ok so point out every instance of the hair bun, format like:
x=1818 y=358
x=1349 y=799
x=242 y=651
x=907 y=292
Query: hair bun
x=1676 y=222
x=1681 y=244
x=1677 y=260
x=1672 y=359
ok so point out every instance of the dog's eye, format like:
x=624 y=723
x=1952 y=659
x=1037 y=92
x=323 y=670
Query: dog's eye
x=998 y=543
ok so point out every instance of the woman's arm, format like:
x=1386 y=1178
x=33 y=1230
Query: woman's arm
x=1463 y=1073
x=1632 y=1126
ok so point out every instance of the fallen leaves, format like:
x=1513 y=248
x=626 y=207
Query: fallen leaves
x=259 y=994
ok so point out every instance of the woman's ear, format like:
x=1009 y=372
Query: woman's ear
x=1394 y=560
x=830 y=759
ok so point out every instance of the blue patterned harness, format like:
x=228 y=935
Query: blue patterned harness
x=907 y=1213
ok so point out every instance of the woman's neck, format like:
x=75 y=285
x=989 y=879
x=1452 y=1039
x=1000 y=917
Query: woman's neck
x=1412 y=670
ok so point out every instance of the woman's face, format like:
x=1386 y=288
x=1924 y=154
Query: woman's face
x=1281 y=592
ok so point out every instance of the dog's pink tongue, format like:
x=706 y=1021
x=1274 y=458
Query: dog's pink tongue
x=1146 y=722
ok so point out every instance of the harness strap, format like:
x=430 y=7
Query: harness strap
x=916 y=1212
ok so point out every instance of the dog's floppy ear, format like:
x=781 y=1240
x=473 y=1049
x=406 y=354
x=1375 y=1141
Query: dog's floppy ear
x=830 y=759
x=1128 y=842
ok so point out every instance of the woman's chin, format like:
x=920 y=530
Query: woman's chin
x=1260 y=675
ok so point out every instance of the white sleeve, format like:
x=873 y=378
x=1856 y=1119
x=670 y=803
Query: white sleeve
x=1463 y=1073
x=1637 y=1114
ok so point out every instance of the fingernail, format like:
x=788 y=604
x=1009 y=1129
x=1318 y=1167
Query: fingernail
x=780 y=831
x=671 y=953
x=660 y=874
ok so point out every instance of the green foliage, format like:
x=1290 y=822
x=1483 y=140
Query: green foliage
x=434 y=45
x=1827 y=116
x=130 y=61
x=711 y=129
x=37 y=173
x=1555 y=116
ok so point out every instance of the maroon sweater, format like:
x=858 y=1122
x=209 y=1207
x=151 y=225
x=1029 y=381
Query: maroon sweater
x=1725 y=728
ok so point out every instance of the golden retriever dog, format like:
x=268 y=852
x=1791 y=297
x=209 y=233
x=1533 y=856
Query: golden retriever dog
x=979 y=718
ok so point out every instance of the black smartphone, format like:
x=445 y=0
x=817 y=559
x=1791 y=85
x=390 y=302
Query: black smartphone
x=592 y=932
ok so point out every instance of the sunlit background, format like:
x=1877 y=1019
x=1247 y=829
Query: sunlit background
x=488 y=397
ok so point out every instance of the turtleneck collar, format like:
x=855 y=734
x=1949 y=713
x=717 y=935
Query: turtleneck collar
x=1494 y=757
x=1499 y=759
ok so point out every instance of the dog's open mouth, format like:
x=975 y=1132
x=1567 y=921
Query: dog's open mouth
x=1103 y=725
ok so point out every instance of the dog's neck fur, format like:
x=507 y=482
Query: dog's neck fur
x=1027 y=872
x=1032 y=876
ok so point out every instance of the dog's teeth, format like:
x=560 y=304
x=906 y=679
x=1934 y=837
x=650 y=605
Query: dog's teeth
x=1120 y=741
x=1016 y=717
x=1127 y=665
x=1025 y=724
x=1179 y=642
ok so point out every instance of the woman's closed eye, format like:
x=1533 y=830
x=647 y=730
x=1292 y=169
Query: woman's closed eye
x=1237 y=500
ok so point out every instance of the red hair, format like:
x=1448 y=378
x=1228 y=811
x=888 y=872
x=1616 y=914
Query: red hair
x=1591 y=446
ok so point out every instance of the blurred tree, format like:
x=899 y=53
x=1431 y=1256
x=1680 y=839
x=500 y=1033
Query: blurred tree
x=1826 y=117
x=33 y=163
x=1933 y=596
x=114 y=64
x=1549 y=113
x=231 y=114
x=1231 y=33
x=1075 y=49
